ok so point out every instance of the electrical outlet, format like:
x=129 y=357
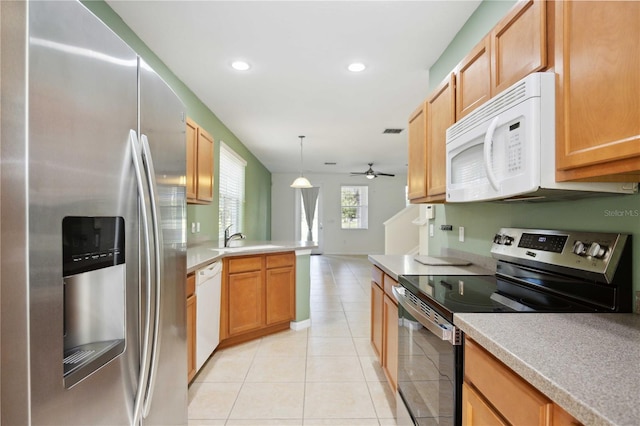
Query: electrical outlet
x=197 y=226
x=193 y=227
x=461 y=234
x=431 y=226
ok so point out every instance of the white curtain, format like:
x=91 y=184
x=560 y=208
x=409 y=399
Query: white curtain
x=309 y=198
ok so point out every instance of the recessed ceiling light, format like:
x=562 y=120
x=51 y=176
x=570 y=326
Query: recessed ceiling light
x=240 y=65
x=356 y=67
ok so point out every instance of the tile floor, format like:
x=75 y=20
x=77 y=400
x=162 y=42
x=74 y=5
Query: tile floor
x=326 y=374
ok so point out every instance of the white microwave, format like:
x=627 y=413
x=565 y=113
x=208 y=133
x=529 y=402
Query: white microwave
x=505 y=149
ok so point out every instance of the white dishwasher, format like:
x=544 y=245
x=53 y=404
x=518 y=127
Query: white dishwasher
x=208 y=287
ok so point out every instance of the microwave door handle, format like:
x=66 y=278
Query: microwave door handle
x=488 y=145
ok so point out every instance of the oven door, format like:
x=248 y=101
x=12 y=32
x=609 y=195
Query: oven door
x=429 y=363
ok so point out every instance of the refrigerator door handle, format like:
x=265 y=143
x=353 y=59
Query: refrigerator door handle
x=143 y=375
x=157 y=237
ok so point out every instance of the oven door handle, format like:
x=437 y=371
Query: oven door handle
x=443 y=330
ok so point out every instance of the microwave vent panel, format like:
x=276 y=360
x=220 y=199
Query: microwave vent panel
x=510 y=97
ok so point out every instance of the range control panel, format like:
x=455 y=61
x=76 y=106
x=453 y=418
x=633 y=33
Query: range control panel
x=596 y=252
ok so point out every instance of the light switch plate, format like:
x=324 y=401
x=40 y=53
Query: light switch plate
x=461 y=234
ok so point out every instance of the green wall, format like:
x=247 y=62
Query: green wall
x=482 y=220
x=257 y=218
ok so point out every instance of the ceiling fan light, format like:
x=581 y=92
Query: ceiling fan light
x=301 y=182
x=370 y=176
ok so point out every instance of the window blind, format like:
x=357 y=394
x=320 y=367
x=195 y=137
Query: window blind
x=232 y=171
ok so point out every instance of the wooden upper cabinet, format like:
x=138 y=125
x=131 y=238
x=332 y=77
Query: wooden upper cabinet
x=192 y=159
x=205 y=166
x=440 y=116
x=597 y=60
x=199 y=164
x=473 y=79
x=416 y=178
x=518 y=44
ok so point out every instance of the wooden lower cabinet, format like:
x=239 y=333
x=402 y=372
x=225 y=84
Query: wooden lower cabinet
x=493 y=394
x=390 y=345
x=191 y=327
x=377 y=300
x=281 y=303
x=476 y=411
x=384 y=324
x=258 y=296
x=245 y=302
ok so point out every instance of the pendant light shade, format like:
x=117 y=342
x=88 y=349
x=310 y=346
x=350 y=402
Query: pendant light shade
x=301 y=182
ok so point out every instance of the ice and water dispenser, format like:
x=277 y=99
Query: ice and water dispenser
x=94 y=293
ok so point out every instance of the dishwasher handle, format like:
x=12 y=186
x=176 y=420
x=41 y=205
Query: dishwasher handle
x=427 y=317
x=209 y=272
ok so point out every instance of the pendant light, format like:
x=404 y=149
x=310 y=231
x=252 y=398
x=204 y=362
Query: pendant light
x=301 y=182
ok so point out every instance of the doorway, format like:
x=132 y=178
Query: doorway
x=313 y=202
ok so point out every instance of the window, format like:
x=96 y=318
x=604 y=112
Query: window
x=355 y=207
x=231 y=211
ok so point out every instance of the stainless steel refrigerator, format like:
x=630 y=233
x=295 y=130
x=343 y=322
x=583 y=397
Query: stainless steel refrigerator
x=93 y=221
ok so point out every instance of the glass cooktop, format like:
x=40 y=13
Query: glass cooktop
x=449 y=294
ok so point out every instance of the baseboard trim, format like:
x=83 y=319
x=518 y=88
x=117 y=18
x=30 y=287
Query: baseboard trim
x=300 y=325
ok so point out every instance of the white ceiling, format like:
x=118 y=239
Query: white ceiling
x=298 y=83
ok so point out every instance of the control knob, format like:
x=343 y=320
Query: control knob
x=579 y=248
x=502 y=239
x=596 y=250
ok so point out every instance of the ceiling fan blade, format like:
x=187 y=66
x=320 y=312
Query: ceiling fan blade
x=358 y=173
x=384 y=174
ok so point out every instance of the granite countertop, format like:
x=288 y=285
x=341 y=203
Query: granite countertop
x=201 y=255
x=395 y=265
x=589 y=364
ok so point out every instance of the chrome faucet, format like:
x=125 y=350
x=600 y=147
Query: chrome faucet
x=227 y=237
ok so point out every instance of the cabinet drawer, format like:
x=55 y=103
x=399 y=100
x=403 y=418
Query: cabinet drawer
x=389 y=283
x=516 y=400
x=244 y=264
x=191 y=284
x=280 y=260
x=475 y=410
x=376 y=276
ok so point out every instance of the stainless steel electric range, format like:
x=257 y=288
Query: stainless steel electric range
x=537 y=271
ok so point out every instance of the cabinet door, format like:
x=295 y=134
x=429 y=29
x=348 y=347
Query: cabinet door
x=205 y=166
x=192 y=159
x=390 y=345
x=562 y=418
x=191 y=284
x=515 y=399
x=417 y=179
x=597 y=58
x=281 y=300
x=245 y=302
x=191 y=337
x=377 y=296
x=440 y=115
x=473 y=79
x=476 y=412
x=519 y=44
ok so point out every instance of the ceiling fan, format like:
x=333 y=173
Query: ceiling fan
x=371 y=174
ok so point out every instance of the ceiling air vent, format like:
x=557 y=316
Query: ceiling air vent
x=392 y=131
